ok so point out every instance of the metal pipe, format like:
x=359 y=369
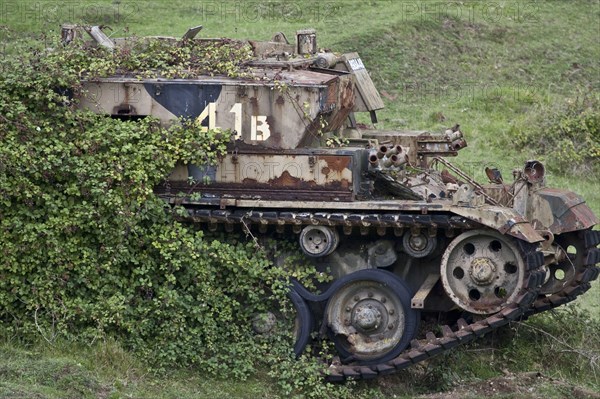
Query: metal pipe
x=389 y=161
x=326 y=60
x=452 y=136
x=382 y=151
x=401 y=159
x=397 y=149
x=373 y=159
x=458 y=144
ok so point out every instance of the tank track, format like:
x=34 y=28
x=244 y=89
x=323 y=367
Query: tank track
x=265 y=218
x=582 y=281
x=528 y=303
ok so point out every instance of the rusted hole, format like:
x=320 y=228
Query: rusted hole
x=458 y=273
x=510 y=268
x=571 y=250
x=495 y=246
x=559 y=274
x=469 y=249
x=474 y=294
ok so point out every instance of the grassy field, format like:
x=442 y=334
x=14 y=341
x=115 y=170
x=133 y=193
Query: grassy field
x=483 y=64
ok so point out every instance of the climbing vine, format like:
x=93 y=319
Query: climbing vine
x=87 y=251
x=86 y=248
x=153 y=57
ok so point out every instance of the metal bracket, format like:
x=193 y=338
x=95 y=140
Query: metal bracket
x=418 y=301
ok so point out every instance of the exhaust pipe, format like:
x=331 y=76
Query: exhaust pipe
x=395 y=160
x=397 y=149
x=382 y=151
x=374 y=159
x=390 y=161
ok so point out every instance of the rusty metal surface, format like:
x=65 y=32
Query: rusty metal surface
x=560 y=211
x=482 y=271
x=504 y=220
x=367 y=96
x=421 y=144
x=286 y=110
x=369 y=316
x=259 y=192
x=418 y=207
x=300 y=176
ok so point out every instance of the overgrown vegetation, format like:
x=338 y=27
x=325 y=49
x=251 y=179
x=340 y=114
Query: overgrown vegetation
x=149 y=57
x=553 y=355
x=496 y=76
x=565 y=134
x=90 y=254
x=88 y=251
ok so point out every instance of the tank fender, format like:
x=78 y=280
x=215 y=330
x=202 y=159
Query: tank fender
x=310 y=297
x=560 y=211
x=504 y=220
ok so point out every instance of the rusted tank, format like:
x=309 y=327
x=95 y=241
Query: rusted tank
x=407 y=236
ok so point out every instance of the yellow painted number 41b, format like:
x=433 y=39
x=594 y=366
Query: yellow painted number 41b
x=259 y=127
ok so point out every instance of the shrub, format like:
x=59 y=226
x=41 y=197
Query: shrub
x=88 y=251
x=567 y=134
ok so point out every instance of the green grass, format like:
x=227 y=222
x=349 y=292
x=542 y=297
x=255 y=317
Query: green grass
x=474 y=63
x=563 y=347
x=105 y=370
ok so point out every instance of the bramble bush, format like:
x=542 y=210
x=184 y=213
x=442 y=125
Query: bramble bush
x=87 y=251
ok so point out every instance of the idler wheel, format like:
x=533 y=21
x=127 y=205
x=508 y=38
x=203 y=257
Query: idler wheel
x=482 y=271
x=562 y=273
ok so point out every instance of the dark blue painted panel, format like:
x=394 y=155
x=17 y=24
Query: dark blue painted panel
x=184 y=99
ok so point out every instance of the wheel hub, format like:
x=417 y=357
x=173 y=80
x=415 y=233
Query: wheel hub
x=366 y=317
x=417 y=242
x=482 y=271
x=418 y=245
x=317 y=241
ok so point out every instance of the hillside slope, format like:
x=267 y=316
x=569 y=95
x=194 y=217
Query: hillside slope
x=490 y=66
